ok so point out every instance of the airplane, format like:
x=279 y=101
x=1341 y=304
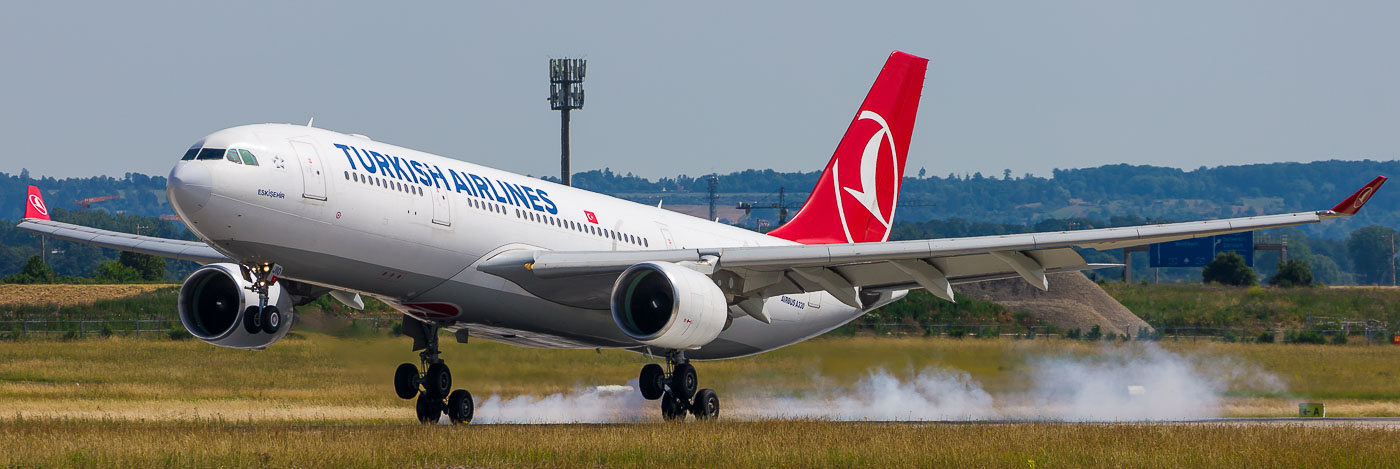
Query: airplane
x=287 y=213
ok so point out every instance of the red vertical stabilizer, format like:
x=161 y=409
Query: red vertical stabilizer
x=34 y=205
x=855 y=198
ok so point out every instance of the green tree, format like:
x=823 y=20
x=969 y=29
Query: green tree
x=1370 y=249
x=1229 y=268
x=150 y=267
x=34 y=271
x=115 y=272
x=1292 y=273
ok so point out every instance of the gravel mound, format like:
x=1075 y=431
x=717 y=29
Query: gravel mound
x=1073 y=301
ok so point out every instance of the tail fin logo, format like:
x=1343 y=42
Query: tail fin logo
x=869 y=194
x=1361 y=199
x=38 y=204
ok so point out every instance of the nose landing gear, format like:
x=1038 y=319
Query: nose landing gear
x=263 y=317
x=677 y=390
x=435 y=382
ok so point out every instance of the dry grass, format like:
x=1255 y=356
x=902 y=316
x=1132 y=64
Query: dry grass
x=757 y=444
x=326 y=379
x=70 y=295
x=325 y=401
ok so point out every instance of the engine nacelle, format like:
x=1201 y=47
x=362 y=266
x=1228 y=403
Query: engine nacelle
x=213 y=301
x=669 y=306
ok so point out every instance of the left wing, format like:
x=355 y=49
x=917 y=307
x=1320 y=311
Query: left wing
x=585 y=279
x=36 y=220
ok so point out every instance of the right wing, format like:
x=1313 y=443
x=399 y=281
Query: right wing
x=585 y=279
x=36 y=220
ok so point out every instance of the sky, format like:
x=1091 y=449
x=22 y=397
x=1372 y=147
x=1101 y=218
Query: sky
x=699 y=87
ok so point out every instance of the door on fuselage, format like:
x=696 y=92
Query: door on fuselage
x=442 y=210
x=313 y=176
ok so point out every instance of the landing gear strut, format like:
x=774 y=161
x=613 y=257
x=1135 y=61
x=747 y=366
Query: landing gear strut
x=677 y=389
x=435 y=382
x=263 y=317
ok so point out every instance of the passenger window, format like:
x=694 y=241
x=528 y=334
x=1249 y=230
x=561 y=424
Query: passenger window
x=232 y=155
x=248 y=158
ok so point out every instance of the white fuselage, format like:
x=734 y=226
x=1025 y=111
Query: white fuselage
x=407 y=227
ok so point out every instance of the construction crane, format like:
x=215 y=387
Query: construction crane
x=84 y=203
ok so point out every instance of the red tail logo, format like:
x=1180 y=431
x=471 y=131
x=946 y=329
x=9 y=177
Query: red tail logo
x=855 y=199
x=36 y=208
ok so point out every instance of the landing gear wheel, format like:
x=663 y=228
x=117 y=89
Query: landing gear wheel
x=406 y=381
x=706 y=406
x=460 y=406
x=252 y=320
x=271 y=319
x=429 y=409
x=438 y=381
x=672 y=408
x=652 y=382
x=684 y=381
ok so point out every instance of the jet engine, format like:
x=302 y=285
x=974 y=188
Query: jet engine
x=217 y=307
x=668 y=306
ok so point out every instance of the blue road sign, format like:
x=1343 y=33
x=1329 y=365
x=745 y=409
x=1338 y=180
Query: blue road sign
x=1198 y=252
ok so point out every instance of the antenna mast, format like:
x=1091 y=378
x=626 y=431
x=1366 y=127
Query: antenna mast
x=565 y=94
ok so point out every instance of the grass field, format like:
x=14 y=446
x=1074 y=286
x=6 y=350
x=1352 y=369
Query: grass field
x=756 y=444
x=315 y=377
x=318 y=400
x=1196 y=305
x=49 y=295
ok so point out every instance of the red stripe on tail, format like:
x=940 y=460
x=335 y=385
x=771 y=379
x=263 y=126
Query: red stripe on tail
x=855 y=198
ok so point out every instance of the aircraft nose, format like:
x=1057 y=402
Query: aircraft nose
x=188 y=187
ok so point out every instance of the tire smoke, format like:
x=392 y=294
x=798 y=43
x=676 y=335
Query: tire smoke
x=1135 y=382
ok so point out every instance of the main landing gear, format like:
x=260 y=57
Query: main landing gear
x=436 y=396
x=677 y=389
x=263 y=317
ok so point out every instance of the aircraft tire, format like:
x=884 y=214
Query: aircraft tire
x=406 y=381
x=460 y=407
x=652 y=382
x=271 y=319
x=252 y=320
x=437 y=383
x=429 y=409
x=706 y=406
x=684 y=382
x=672 y=408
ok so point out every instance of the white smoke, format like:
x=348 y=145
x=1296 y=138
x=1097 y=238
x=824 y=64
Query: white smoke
x=599 y=404
x=931 y=395
x=1119 y=383
x=1151 y=385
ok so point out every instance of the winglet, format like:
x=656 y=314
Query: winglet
x=34 y=206
x=1353 y=204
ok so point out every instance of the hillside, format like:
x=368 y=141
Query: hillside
x=931 y=206
x=1149 y=192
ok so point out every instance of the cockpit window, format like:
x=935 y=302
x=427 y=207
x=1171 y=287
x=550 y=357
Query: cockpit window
x=210 y=154
x=248 y=158
x=194 y=150
x=232 y=155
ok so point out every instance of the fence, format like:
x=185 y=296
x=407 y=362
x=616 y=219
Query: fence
x=1373 y=335
x=79 y=329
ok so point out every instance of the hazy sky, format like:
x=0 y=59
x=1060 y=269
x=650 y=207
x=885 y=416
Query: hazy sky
x=111 y=87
